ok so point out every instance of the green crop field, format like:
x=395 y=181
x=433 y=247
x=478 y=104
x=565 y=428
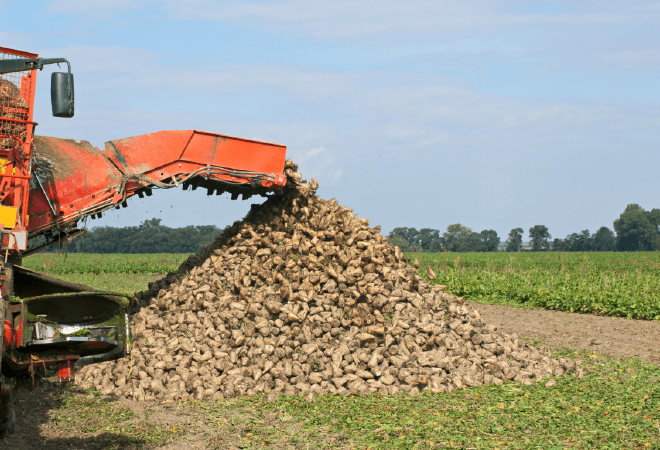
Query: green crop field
x=615 y=284
x=81 y=263
x=114 y=272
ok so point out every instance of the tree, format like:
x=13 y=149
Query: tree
x=149 y=237
x=603 y=240
x=578 y=242
x=514 y=242
x=400 y=242
x=471 y=243
x=490 y=240
x=152 y=223
x=429 y=240
x=405 y=238
x=637 y=229
x=585 y=241
x=540 y=237
x=654 y=218
x=457 y=238
x=454 y=235
x=558 y=245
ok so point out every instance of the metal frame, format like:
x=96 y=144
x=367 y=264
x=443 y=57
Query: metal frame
x=16 y=173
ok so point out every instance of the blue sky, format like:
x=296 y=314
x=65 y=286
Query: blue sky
x=420 y=113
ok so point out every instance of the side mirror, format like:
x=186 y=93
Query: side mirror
x=61 y=94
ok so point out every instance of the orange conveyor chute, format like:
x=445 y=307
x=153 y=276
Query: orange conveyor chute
x=72 y=179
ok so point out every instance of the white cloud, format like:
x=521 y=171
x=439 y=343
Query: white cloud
x=313 y=84
x=96 y=9
x=632 y=58
x=376 y=128
x=344 y=126
x=342 y=19
x=414 y=103
x=15 y=40
x=649 y=7
x=423 y=111
x=112 y=60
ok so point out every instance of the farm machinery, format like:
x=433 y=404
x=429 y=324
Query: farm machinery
x=49 y=187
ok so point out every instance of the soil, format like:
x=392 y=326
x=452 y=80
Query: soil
x=34 y=410
x=614 y=336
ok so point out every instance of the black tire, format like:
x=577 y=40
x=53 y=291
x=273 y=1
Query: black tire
x=7 y=415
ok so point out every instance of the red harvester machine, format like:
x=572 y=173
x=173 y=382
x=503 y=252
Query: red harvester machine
x=48 y=186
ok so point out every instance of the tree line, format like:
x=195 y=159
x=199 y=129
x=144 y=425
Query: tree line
x=149 y=237
x=457 y=238
x=635 y=230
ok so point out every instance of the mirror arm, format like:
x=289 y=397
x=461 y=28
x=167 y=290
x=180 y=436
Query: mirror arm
x=43 y=61
x=21 y=64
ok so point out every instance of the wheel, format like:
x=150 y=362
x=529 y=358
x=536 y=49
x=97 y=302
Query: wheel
x=7 y=415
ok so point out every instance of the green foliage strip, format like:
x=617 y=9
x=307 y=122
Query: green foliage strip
x=613 y=284
x=60 y=264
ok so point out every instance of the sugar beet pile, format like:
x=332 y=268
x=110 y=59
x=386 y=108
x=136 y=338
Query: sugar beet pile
x=303 y=298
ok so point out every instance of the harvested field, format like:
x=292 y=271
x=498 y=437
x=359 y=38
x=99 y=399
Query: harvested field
x=612 y=410
x=615 y=405
x=206 y=373
x=624 y=338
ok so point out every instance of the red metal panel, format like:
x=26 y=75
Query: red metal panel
x=81 y=180
x=141 y=154
x=235 y=153
x=74 y=175
x=18 y=52
x=146 y=153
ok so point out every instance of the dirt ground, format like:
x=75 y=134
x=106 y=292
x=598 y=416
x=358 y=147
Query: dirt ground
x=625 y=338
x=614 y=336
